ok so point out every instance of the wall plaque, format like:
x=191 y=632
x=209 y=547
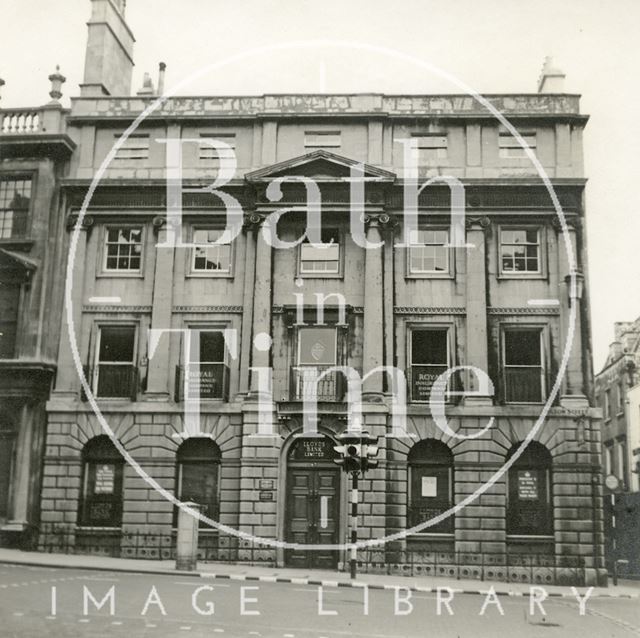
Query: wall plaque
x=527 y=485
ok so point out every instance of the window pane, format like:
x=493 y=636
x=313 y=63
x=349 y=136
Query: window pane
x=123 y=249
x=325 y=259
x=522 y=348
x=9 y=300
x=116 y=344
x=211 y=347
x=317 y=346
x=429 y=347
x=212 y=257
x=199 y=484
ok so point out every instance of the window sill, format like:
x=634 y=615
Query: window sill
x=209 y=275
x=429 y=275
x=444 y=535
x=98 y=528
x=320 y=275
x=542 y=402
x=523 y=275
x=115 y=274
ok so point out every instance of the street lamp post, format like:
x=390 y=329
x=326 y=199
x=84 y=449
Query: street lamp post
x=612 y=484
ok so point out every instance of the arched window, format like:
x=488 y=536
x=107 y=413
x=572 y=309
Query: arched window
x=430 y=485
x=101 y=503
x=529 y=506
x=198 y=473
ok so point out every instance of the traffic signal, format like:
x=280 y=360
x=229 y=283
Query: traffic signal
x=350 y=457
x=357 y=452
x=369 y=454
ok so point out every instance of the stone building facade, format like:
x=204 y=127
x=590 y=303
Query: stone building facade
x=614 y=387
x=617 y=392
x=494 y=292
x=34 y=154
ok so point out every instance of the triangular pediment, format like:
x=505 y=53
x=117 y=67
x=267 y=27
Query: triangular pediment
x=321 y=166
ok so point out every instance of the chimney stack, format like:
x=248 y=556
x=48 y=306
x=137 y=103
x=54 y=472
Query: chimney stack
x=147 y=86
x=551 y=79
x=162 y=67
x=108 y=61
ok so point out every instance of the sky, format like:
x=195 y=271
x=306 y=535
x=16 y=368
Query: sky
x=495 y=46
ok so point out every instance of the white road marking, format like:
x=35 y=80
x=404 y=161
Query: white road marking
x=98 y=579
x=18 y=613
x=84 y=620
x=194 y=582
x=116 y=622
x=217 y=630
x=51 y=617
x=186 y=628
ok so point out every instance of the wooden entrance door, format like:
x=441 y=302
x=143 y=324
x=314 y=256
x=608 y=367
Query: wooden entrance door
x=312 y=514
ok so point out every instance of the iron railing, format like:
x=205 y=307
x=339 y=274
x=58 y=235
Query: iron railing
x=153 y=544
x=148 y=544
x=508 y=567
x=114 y=381
x=313 y=382
x=523 y=384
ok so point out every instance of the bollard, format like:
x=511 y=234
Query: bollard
x=187 y=543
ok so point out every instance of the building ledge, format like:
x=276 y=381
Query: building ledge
x=36 y=144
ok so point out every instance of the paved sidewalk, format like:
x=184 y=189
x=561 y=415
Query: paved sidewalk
x=627 y=589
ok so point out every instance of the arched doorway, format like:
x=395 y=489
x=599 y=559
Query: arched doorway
x=313 y=502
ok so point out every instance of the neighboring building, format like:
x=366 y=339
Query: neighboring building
x=500 y=304
x=34 y=154
x=617 y=395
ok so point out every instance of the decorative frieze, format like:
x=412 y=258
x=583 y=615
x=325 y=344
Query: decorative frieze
x=115 y=308
x=216 y=309
x=529 y=310
x=425 y=310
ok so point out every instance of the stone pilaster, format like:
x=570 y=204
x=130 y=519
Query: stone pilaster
x=372 y=352
x=476 y=302
x=158 y=371
x=250 y=239
x=573 y=385
x=67 y=377
x=261 y=306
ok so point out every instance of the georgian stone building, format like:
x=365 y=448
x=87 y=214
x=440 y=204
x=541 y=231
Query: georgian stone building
x=34 y=153
x=498 y=300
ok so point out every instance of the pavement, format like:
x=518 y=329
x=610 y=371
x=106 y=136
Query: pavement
x=325 y=578
x=84 y=602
